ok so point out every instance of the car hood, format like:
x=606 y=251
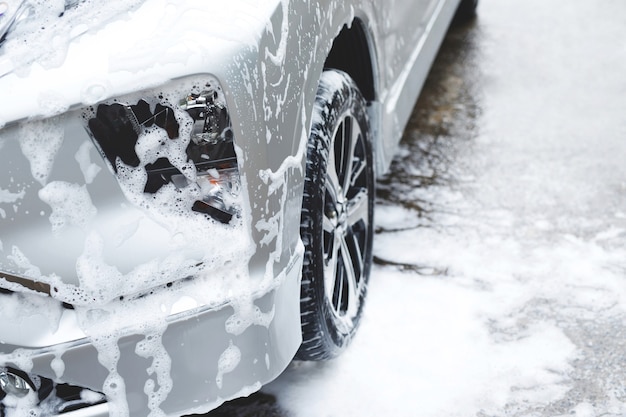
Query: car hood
x=66 y=53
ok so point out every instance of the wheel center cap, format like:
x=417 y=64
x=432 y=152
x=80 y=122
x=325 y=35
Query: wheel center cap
x=343 y=218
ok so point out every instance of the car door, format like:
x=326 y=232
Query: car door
x=410 y=34
x=404 y=23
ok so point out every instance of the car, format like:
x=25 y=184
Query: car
x=187 y=190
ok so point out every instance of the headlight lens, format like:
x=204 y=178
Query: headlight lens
x=170 y=137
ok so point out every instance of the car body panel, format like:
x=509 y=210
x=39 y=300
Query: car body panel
x=116 y=258
x=191 y=344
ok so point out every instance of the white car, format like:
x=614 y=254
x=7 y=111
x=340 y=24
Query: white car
x=187 y=190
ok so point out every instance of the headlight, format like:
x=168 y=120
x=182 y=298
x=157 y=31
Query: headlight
x=184 y=141
x=11 y=383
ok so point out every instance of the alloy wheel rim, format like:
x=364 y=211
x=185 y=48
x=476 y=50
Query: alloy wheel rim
x=346 y=220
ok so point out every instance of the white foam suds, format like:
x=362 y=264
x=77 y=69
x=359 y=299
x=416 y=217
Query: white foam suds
x=44 y=38
x=7 y=196
x=88 y=168
x=71 y=205
x=102 y=327
x=90 y=397
x=57 y=365
x=22 y=358
x=22 y=407
x=22 y=262
x=152 y=347
x=40 y=141
x=247 y=314
x=228 y=361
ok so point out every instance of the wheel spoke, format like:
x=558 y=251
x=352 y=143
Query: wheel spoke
x=339 y=288
x=356 y=253
x=358 y=208
x=357 y=170
x=358 y=161
x=351 y=279
x=348 y=147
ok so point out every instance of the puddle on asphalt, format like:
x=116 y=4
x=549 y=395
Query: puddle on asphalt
x=442 y=126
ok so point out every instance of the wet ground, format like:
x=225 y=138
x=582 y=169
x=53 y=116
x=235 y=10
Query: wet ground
x=500 y=280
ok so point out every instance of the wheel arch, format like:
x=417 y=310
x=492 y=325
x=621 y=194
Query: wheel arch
x=352 y=51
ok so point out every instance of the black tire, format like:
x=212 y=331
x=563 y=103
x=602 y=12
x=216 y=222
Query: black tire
x=337 y=218
x=466 y=11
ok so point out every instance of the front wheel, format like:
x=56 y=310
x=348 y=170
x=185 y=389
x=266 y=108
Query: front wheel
x=337 y=218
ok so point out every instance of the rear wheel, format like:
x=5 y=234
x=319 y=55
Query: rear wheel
x=337 y=218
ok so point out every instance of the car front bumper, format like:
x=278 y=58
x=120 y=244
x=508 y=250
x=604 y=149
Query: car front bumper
x=190 y=363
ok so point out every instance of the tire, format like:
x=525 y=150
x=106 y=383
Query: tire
x=337 y=218
x=466 y=11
